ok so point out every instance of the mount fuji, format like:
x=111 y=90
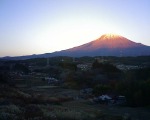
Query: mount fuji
x=106 y=45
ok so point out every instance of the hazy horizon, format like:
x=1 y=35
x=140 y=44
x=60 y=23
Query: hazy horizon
x=36 y=27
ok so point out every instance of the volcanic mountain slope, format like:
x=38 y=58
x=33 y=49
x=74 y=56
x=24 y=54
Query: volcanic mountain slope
x=109 y=45
x=108 y=41
x=106 y=45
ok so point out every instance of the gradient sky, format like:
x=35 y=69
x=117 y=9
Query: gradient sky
x=43 y=26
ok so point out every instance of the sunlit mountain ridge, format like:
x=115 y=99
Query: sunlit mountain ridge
x=109 y=41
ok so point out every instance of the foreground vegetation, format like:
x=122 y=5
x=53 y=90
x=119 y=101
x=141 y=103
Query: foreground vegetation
x=18 y=105
x=36 y=101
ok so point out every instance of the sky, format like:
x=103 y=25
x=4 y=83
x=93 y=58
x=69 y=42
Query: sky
x=44 y=26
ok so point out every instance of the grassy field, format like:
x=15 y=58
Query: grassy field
x=94 y=110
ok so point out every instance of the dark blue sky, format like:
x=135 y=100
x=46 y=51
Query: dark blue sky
x=41 y=26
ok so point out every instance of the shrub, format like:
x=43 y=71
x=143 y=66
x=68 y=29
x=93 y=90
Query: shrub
x=13 y=109
x=32 y=111
x=8 y=116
